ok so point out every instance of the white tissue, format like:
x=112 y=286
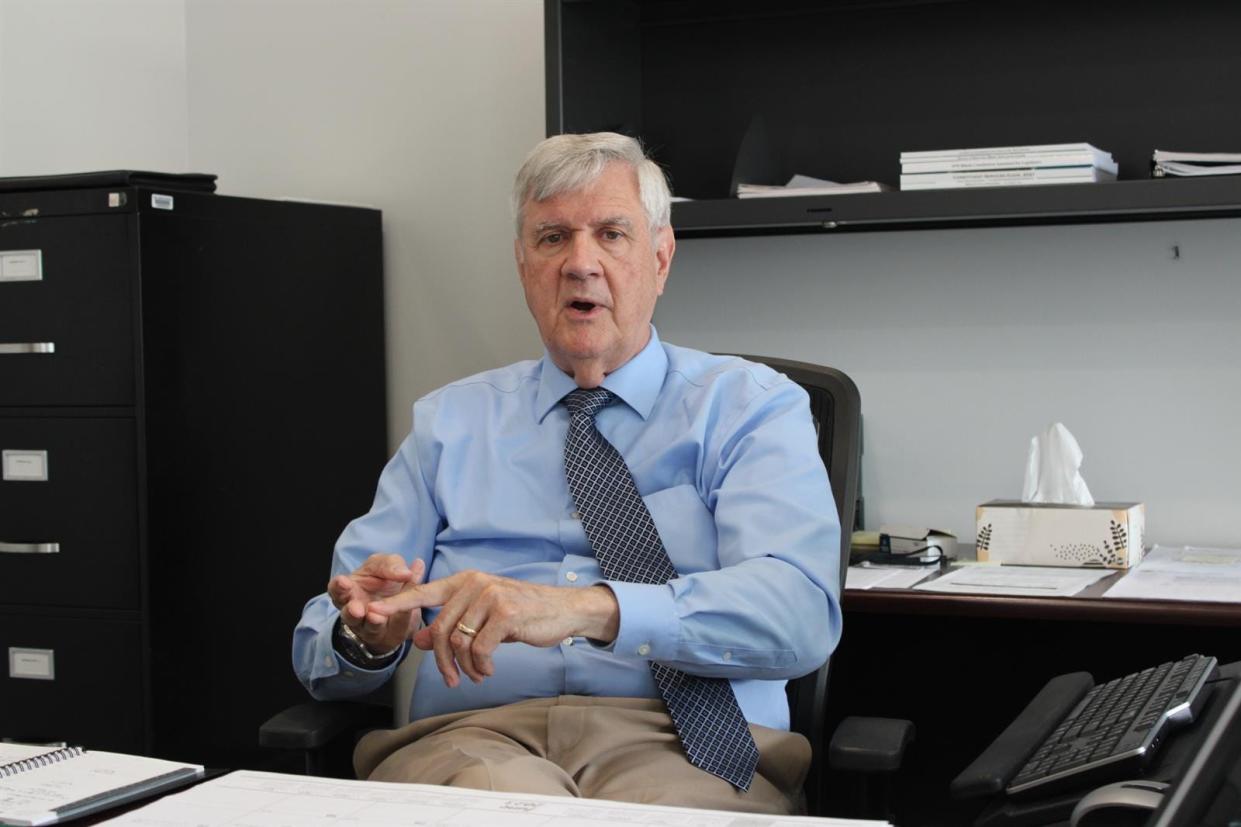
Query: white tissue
x=1053 y=469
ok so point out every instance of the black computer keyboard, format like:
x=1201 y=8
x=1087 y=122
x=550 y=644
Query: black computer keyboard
x=1116 y=727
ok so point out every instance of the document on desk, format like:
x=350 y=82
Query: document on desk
x=1193 y=573
x=1020 y=581
x=262 y=798
x=885 y=577
x=48 y=785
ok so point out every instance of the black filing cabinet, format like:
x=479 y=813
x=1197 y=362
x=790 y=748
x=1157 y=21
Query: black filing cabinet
x=192 y=406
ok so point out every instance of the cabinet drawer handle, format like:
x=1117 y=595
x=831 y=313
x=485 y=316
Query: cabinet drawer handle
x=29 y=548
x=28 y=347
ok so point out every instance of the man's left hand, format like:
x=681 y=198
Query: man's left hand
x=499 y=610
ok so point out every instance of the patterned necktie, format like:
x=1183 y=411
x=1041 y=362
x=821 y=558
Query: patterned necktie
x=713 y=731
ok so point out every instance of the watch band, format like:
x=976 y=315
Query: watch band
x=355 y=650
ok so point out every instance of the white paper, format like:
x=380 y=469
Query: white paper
x=886 y=577
x=1026 y=581
x=1224 y=562
x=1183 y=170
x=12 y=753
x=806 y=185
x=1160 y=585
x=1161 y=155
x=1183 y=573
x=262 y=798
x=32 y=796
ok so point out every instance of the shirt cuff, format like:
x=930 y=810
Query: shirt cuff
x=648 y=621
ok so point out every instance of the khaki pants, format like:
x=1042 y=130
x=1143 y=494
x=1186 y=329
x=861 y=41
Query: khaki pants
x=619 y=749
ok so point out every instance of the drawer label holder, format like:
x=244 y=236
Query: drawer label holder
x=32 y=664
x=21 y=265
x=23 y=466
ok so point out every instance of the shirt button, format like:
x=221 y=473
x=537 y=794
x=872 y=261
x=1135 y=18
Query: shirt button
x=577 y=515
x=644 y=650
x=567 y=641
x=728 y=656
x=348 y=674
x=328 y=661
x=571 y=577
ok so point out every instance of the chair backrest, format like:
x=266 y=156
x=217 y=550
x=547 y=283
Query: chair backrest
x=836 y=407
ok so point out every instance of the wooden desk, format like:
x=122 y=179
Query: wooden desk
x=961 y=667
x=1086 y=606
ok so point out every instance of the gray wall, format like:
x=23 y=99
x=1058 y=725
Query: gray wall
x=965 y=343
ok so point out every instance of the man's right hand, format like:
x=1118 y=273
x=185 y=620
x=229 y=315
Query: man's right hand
x=380 y=576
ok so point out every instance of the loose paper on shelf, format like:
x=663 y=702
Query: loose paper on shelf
x=885 y=577
x=1021 y=581
x=1192 y=573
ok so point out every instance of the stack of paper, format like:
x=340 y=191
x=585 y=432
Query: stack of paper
x=1006 y=166
x=1190 y=573
x=885 y=577
x=805 y=185
x=1023 y=581
x=1181 y=164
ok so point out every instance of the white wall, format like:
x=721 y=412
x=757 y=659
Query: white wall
x=965 y=343
x=424 y=110
x=92 y=85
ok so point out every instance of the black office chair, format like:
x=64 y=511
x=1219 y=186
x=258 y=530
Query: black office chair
x=836 y=407
x=325 y=732
x=871 y=748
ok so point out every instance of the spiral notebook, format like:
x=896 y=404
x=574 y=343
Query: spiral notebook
x=47 y=785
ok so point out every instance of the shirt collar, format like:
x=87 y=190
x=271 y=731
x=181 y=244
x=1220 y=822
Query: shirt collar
x=636 y=383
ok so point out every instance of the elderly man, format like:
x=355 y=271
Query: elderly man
x=628 y=546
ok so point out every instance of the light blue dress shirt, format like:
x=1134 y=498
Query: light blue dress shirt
x=724 y=454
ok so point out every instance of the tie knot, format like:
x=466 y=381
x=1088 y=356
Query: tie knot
x=587 y=401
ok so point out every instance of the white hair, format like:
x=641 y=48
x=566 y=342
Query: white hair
x=565 y=163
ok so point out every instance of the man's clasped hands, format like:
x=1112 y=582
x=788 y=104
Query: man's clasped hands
x=382 y=602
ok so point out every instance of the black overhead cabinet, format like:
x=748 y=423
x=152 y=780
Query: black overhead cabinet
x=732 y=91
x=192 y=406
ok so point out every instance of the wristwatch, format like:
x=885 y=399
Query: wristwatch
x=355 y=650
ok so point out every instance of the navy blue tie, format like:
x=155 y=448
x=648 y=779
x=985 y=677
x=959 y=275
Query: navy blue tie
x=713 y=732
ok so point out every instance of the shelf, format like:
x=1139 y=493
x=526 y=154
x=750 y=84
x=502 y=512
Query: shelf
x=728 y=91
x=1149 y=200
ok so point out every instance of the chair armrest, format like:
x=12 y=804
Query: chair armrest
x=315 y=724
x=869 y=744
x=990 y=772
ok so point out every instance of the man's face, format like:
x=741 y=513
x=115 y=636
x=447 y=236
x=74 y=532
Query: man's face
x=592 y=273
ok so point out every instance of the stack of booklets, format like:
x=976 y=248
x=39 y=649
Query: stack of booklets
x=1006 y=166
x=1183 y=164
x=48 y=785
x=806 y=185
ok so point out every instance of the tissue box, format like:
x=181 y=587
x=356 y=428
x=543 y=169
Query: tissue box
x=1107 y=535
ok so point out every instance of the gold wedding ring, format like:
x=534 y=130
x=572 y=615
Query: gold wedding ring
x=466 y=630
